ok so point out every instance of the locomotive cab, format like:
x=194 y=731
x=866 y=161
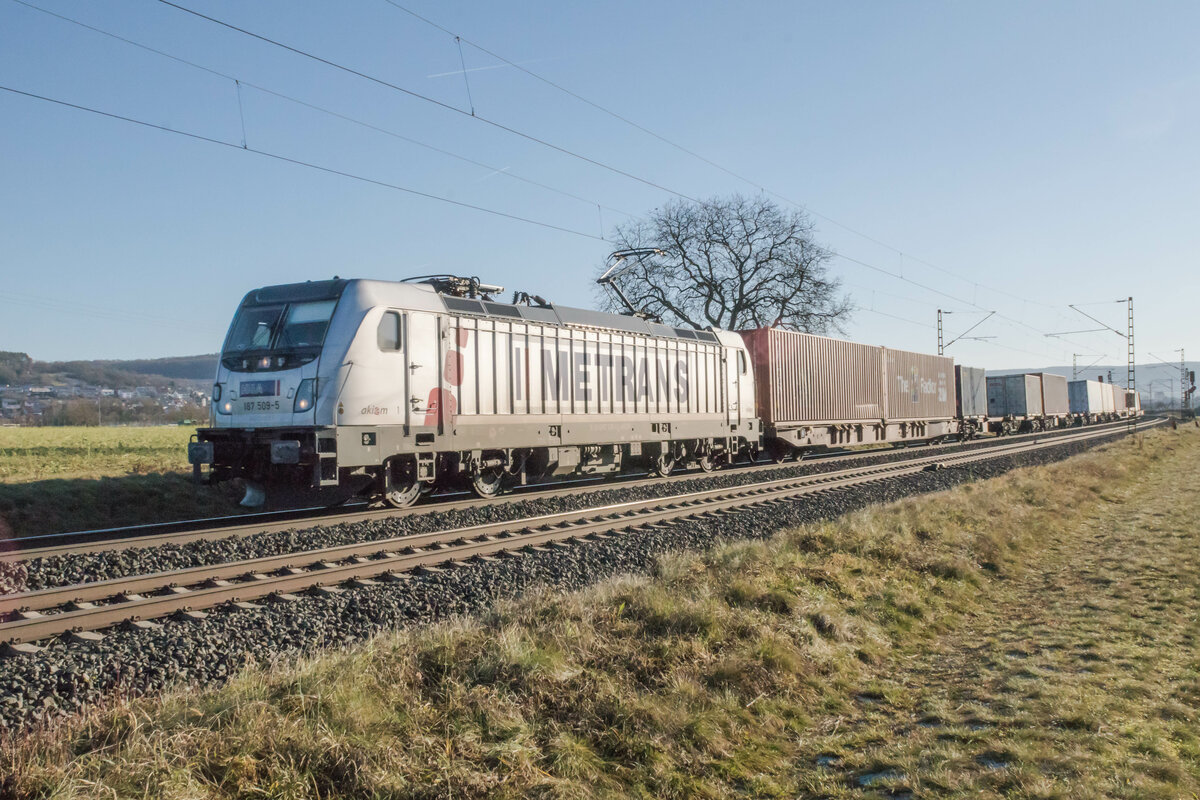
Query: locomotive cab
x=301 y=361
x=264 y=421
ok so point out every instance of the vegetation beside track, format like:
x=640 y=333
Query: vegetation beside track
x=1034 y=635
x=62 y=479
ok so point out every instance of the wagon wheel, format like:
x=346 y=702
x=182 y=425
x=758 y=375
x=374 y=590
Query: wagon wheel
x=663 y=465
x=488 y=483
x=777 y=451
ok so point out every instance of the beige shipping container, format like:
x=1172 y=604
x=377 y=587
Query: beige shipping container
x=1055 y=395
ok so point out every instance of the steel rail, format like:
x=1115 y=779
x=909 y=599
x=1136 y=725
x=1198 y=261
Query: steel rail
x=182 y=531
x=302 y=519
x=213 y=586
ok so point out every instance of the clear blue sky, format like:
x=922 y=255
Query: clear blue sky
x=1046 y=149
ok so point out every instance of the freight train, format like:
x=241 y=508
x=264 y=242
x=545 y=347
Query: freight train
x=391 y=389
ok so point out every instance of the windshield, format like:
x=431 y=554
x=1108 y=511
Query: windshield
x=305 y=324
x=253 y=328
x=280 y=327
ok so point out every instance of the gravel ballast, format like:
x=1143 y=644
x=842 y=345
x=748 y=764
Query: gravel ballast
x=67 y=677
x=62 y=570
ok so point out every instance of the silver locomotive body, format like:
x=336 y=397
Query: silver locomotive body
x=389 y=388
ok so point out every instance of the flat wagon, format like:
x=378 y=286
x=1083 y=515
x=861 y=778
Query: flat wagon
x=1056 y=403
x=1091 y=401
x=1014 y=402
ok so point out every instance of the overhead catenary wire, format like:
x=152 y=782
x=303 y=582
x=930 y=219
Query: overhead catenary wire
x=368 y=77
x=646 y=130
x=683 y=149
x=427 y=99
x=301 y=163
x=513 y=131
x=241 y=82
x=529 y=137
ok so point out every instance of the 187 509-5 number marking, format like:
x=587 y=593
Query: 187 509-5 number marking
x=261 y=405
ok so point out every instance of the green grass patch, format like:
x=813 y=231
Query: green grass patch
x=38 y=454
x=1000 y=639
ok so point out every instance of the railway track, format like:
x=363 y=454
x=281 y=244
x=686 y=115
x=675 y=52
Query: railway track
x=82 y=610
x=182 y=532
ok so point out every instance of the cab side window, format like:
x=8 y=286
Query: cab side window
x=388 y=334
x=741 y=362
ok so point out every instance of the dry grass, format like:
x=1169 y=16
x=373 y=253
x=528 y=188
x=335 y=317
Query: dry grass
x=872 y=655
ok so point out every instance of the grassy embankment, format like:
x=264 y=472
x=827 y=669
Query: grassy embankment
x=1032 y=636
x=61 y=479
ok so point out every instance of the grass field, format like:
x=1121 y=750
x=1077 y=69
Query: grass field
x=62 y=479
x=37 y=454
x=1031 y=636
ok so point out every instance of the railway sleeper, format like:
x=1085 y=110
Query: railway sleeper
x=137 y=623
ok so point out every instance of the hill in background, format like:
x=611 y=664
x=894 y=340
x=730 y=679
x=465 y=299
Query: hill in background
x=17 y=369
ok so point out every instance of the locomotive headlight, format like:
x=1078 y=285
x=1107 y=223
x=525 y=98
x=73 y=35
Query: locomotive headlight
x=305 y=395
x=264 y=362
x=225 y=408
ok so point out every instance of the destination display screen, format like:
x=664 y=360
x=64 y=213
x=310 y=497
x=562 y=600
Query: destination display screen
x=259 y=388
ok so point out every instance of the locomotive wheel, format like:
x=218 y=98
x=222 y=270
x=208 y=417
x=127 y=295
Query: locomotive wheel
x=403 y=496
x=488 y=483
x=663 y=465
x=707 y=463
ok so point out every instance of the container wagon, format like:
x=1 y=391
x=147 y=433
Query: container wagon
x=1091 y=401
x=1014 y=403
x=814 y=391
x=970 y=389
x=1118 y=400
x=1056 y=404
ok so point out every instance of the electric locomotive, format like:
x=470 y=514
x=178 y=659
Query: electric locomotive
x=389 y=389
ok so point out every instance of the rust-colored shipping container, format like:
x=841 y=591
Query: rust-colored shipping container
x=802 y=378
x=799 y=377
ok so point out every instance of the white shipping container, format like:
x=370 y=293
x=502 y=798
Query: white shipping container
x=1089 y=397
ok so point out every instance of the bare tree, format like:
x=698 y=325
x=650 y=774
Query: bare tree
x=732 y=263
